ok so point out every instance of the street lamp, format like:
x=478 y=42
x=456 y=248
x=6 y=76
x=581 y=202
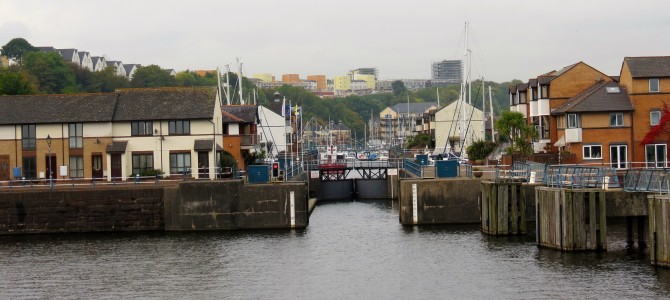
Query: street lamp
x=51 y=180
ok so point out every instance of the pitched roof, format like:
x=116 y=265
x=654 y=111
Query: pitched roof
x=274 y=107
x=414 y=108
x=165 y=104
x=522 y=87
x=532 y=82
x=603 y=96
x=650 y=66
x=46 y=49
x=544 y=79
x=44 y=109
x=117 y=147
x=67 y=54
x=205 y=145
x=239 y=113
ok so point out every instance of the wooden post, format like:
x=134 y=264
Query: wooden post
x=503 y=208
x=562 y=216
x=659 y=211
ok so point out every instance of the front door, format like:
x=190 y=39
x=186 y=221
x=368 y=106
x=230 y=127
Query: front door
x=116 y=166
x=51 y=167
x=4 y=167
x=96 y=166
x=203 y=164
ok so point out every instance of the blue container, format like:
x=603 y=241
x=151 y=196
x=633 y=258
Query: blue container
x=422 y=159
x=16 y=172
x=446 y=168
x=259 y=173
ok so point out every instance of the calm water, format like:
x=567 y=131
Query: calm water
x=351 y=250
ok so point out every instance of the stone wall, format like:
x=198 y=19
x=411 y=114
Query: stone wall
x=100 y=209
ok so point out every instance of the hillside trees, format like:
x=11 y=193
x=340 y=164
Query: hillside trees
x=16 y=49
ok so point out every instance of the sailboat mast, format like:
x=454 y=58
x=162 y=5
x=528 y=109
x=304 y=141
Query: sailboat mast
x=239 y=79
x=493 y=136
x=483 y=110
x=227 y=84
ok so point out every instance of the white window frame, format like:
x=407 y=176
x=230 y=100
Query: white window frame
x=651 y=117
x=590 y=149
x=617 y=117
x=655 y=162
x=575 y=121
x=616 y=160
x=76 y=167
x=658 y=85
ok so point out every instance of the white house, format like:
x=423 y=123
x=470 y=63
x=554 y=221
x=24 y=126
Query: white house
x=130 y=70
x=272 y=129
x=99 y=63
x=118 y=66
x=112 y=135
x=85 y=61
x=69 y=55
x=454 y=121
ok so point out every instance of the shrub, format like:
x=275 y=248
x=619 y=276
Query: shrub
x=480 y=149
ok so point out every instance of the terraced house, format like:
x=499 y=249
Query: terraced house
x=601 y=119
x=111 y=135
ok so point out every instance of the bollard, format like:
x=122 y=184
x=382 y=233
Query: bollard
x=532 y=177
x=137 y=178
x=606 y=183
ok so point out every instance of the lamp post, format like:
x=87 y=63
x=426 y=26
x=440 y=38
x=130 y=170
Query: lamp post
x=51 y=180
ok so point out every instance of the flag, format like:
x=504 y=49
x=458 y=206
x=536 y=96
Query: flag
x=295 y=111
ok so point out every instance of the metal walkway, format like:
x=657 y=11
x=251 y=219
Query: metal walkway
x=647 y=180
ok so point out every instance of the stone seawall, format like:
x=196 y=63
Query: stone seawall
x=99 y=209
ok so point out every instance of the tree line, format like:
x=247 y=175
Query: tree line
x=37 y=72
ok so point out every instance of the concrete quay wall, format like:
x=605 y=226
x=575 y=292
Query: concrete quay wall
x=189 y=206
x=216 y=205
x=81 y=210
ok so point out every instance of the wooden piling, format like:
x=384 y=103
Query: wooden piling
x=659 y=230
x=503 y=208
x=571 y=219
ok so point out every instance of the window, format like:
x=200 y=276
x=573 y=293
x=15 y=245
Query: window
x=29 y=167
x=619 y=156
x=141 y=128
x=179 y=127
x=653 y=85
x=616 y=119
x=76 y=167
x=533 y=92
x=225 y=129
x=28 y=137
x=142 y=162
x=573 y=121
x=593 y=152
x=654 y=117
x=544 y=91
x=76 y=136
x=522 y=97
x=180 y=163
x=656 y=155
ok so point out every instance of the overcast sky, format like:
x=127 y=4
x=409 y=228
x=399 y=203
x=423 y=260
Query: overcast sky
x=510 y=39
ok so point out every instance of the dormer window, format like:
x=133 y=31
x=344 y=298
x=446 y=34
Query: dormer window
x=654 y=85
x=522 y=97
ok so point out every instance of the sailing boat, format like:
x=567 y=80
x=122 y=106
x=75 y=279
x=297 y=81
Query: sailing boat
x=330 y=158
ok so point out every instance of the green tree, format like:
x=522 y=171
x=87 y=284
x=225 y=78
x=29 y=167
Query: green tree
x=107 y=81
x=420 y=140
x=152 y=76
x=398 y=87
x=16 y=49
x=15 y=82
x=512 y=126
x=51 y=72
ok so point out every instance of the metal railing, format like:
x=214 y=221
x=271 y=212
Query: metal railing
x=413 y=167
x=577 y=176
x=647 y=180
x=518 y=171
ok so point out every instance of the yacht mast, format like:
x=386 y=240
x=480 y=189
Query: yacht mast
x=227 y=84
x=239 y=79
x=493 y=135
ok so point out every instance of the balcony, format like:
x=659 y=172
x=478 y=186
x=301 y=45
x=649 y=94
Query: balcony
x=248 y=139
x=523 y=109
x=573 y=135
x=533 y=108
x=543 y=108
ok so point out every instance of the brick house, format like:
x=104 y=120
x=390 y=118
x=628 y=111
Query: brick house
x=596 y=125
x=647 y=80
